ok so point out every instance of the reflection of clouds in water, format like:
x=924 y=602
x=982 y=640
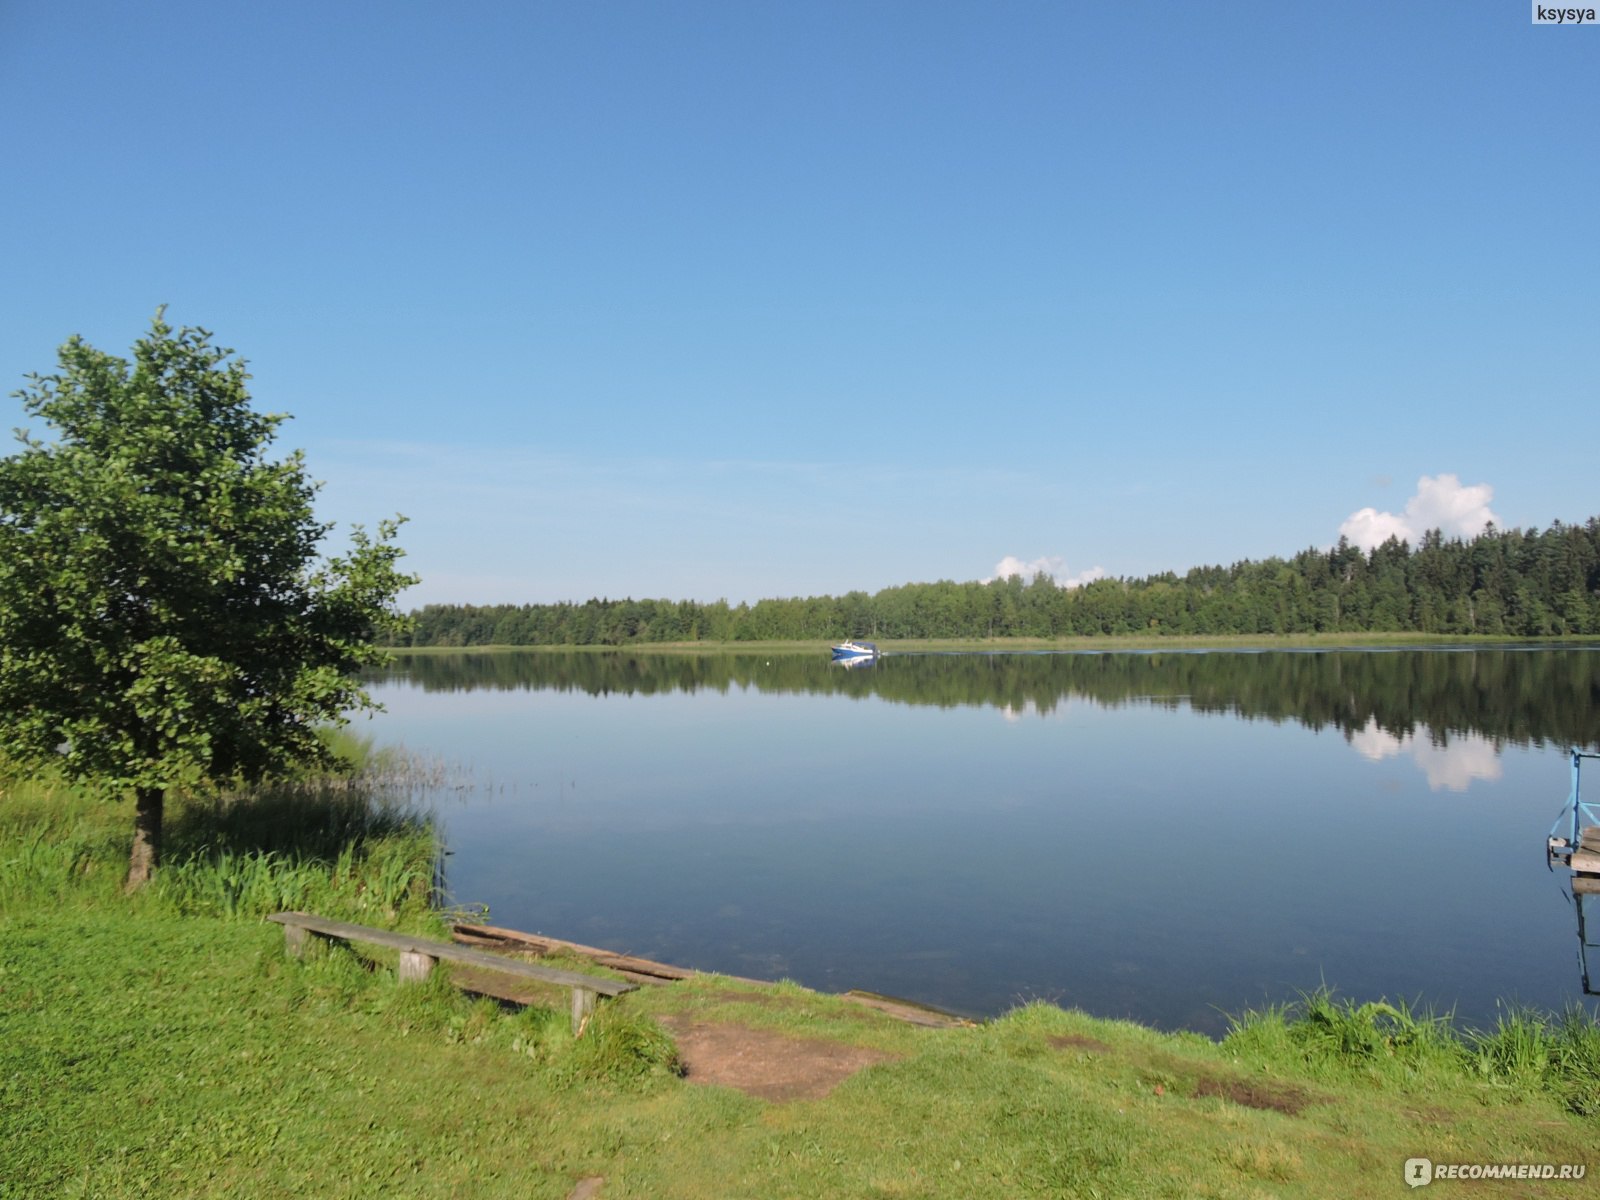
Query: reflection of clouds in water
x=1468 y=757
x=1013 y=714
x=1374 y=743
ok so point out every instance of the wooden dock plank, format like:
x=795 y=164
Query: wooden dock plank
x=910 y=1011
x=641 y=969
x=408 y=943
x=644 y=970
x=1586 y=861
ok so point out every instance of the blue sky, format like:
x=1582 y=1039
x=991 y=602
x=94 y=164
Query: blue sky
x=741 y=300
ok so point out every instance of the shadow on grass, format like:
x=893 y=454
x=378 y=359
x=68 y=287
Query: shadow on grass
x=314 y=820
x=362 y=845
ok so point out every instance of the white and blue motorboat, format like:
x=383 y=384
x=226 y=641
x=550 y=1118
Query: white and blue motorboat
x=853 y=651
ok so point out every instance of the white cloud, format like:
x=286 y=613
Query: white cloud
x=1052 y=565
x=1441 y=503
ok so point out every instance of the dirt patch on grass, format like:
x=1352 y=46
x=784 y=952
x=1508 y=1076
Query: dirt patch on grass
x=762 y=1063
x=1279 y=1097
x=1076 y=1041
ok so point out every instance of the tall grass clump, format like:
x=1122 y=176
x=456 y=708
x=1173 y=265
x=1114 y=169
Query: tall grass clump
x=49 y=863
x=1330 y=1035
x=55 y=843
x=1528 y=1051
x=621 y=1047
x=361 y=845
x=1518 y=1052
x=1577 y=1061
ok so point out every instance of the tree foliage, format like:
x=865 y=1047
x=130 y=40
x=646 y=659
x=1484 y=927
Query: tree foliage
x=165 y=618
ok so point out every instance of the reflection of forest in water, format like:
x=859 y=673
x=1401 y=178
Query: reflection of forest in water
x=1384 y=701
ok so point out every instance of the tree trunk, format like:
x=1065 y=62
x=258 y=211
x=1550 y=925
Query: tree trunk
x=146 y=837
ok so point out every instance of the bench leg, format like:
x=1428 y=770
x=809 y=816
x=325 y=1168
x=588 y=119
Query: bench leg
x=414 y=967
x=583 y=1001
x=295 y=940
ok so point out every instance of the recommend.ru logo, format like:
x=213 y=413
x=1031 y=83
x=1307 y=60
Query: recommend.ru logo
x=1421 y=1171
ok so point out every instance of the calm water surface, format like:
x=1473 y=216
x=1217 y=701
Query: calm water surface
x=1166 y=837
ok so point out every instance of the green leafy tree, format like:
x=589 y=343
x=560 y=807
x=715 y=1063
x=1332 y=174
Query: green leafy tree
x=166 y=620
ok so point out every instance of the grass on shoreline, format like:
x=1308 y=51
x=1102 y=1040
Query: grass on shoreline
x=162 y=1044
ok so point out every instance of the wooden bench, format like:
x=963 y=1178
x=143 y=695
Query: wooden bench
x=418 y=956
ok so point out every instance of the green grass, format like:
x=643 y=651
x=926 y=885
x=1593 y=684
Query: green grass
x=353 y=846
x=1526 y=1054
x=163 y=1045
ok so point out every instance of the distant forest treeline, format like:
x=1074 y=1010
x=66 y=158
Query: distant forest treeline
x=1517 y=583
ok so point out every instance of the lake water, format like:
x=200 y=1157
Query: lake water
x=1166 y=837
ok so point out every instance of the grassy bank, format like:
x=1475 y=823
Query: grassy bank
x=163 y=1045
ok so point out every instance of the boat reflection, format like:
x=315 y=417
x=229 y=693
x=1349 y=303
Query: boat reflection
x=859 y=663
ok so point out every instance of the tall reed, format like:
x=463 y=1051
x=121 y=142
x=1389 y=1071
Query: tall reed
x=1525 y=1052
x=360 y=844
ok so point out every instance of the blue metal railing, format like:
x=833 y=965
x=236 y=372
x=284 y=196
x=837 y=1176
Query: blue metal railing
x=1583 y=812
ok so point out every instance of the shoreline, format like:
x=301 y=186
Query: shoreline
x=1127 y=642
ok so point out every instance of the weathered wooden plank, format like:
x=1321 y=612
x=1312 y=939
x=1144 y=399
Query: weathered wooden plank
x=410 y=943
x=513 y=988
x=1586 y=885
x=491 y=935
x=1589 y=839
x=640 y=970
x=909 y=1011
x=1585 y=861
